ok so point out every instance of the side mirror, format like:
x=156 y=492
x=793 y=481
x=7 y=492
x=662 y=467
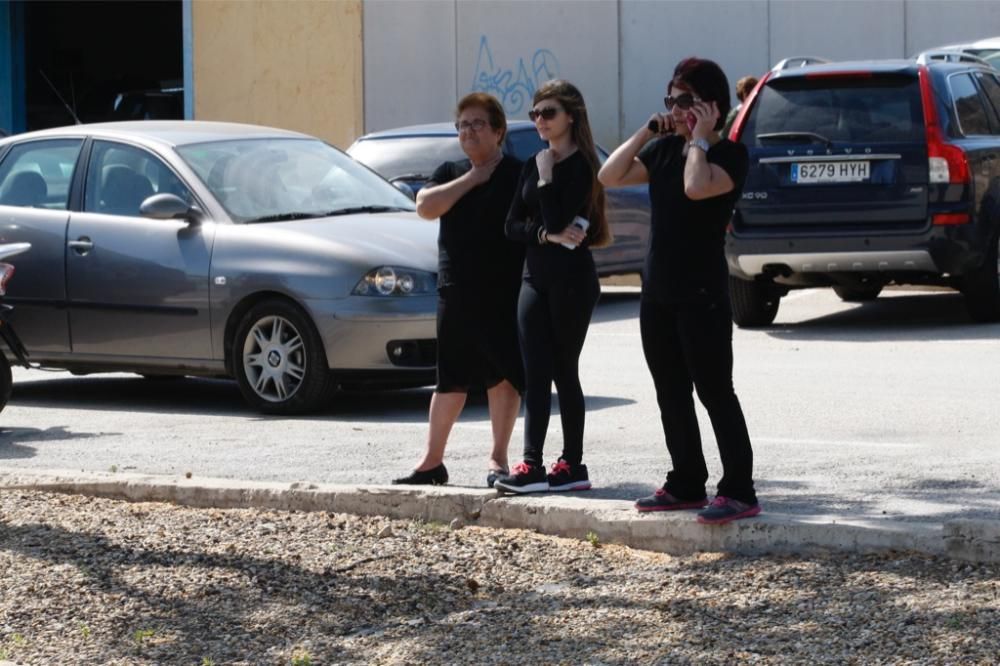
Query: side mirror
x=170 y=207
x=403 y=187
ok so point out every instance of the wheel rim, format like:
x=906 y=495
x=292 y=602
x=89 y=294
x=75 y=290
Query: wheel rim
x=274 y=359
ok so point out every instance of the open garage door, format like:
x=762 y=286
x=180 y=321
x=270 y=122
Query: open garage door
x=99 y=61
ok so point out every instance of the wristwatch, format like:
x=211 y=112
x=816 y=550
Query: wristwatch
x=701 y=143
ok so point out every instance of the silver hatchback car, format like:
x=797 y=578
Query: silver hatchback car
x=215 y=249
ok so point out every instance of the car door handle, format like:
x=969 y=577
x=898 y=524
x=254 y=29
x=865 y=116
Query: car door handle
x=82 y=245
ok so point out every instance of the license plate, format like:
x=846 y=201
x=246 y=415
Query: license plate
x=830 y=172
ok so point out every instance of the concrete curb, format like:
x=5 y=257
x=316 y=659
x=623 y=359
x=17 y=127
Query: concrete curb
x=613 y=521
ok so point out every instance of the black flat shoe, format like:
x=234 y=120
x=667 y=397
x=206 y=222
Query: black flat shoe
x=437 y=476
x=494 y=474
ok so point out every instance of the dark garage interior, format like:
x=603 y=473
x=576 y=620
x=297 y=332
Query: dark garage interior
x=97 y=61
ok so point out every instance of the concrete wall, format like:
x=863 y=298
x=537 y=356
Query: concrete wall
x=296 y=65
x=410 y=72
x=421 y=55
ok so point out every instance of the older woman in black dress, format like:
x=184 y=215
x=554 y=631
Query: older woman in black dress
x=479 y=276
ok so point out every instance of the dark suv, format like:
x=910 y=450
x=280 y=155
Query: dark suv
x=864 y=174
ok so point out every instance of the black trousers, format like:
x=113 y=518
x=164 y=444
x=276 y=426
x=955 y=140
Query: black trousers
x=691 y=345
x=552 y=326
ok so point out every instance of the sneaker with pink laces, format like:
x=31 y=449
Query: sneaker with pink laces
x=565 y=476
x=661 y=500
x=723 y=510
x=524 y=478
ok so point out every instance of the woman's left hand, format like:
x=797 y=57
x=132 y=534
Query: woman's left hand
x=707 y=115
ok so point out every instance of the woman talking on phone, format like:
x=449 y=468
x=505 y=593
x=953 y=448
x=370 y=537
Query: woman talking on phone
x=695 y=178
x=558 y=212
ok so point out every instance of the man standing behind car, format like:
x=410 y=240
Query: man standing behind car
x=479 y=277
x=695 y=178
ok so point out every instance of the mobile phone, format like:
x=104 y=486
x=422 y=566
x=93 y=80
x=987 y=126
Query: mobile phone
x=581 y=222
x=653 y=126
x=691 y=121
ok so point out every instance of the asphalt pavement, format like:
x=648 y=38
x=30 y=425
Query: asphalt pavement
x=884 y=411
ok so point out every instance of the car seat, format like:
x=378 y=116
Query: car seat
x=123 y=191
x=26 y=188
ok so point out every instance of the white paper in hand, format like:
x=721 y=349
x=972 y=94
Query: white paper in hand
x=581 y=222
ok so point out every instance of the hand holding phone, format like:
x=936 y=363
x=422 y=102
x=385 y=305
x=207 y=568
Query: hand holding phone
x=581 y=222
x=660 y=123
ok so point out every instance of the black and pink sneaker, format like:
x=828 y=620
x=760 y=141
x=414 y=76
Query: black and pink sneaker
x=725 y=509
x=524 y=478
x=565 y=476
x=661 y=500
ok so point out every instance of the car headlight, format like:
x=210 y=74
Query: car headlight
x=395 y=281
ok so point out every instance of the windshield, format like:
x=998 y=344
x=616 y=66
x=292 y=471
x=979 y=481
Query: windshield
x=258 y=180
x=413 y=157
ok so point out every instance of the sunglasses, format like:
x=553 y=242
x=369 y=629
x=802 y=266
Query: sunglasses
x=683 y=101
x=476 y=125
x=548 y=113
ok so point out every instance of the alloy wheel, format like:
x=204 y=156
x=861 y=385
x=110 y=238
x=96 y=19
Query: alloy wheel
x=274 y=358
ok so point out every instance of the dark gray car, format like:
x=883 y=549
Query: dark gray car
x=196 y=248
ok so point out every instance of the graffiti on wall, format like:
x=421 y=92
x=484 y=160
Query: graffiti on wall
x=514 y=87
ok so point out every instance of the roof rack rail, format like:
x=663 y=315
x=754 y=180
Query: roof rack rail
x=949 y=56
x=798 y=61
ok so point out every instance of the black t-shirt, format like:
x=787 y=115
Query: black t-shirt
x=686 y=260
x=473 y=252
x=553 y=208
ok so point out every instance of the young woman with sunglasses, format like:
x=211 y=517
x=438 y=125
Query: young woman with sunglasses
x=479 y=278
x=559 y=290
x=695 y=178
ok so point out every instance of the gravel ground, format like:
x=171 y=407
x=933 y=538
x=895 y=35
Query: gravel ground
x=95 y=581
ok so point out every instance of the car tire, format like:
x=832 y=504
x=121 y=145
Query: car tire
x=6 y=381
x=753 y=303
x=981 y=287
x=858 y=294
x=279 y=360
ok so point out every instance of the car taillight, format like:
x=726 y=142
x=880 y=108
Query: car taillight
x=946 y=162
x=741 y=117
x=6 y=272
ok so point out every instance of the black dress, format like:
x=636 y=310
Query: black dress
x=479 y=275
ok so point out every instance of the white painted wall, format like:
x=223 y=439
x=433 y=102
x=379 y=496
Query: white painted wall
x=409 y=48
x=422 y=55
x=658 y=35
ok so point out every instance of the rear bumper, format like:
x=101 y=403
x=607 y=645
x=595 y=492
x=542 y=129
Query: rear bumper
x=935 y=251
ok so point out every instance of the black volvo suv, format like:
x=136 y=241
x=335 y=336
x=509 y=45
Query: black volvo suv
x=864 y=174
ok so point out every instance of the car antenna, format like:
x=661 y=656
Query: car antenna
x=76 y=120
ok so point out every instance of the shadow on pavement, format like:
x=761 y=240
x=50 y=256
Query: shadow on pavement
x=221 y=397
x=12 y=440
x=900 y=317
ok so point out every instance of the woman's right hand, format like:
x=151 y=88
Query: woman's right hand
x=663 y=121
x=480 y=174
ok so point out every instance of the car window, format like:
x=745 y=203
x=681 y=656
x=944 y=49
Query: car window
x=120 y=177
x=272 y=179
x=992 y=89
x=413 y=157
x=525 y=143
x=972 y=119
x=864 y=109
x=38 y=174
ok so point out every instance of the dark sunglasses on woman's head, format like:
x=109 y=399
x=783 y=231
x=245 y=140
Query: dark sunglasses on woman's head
x=684 y=101
x=548 y=113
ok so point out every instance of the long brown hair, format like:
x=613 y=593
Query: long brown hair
x=571 y=100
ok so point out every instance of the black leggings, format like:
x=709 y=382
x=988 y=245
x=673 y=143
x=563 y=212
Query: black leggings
x=692 y=345
x=552 y=324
